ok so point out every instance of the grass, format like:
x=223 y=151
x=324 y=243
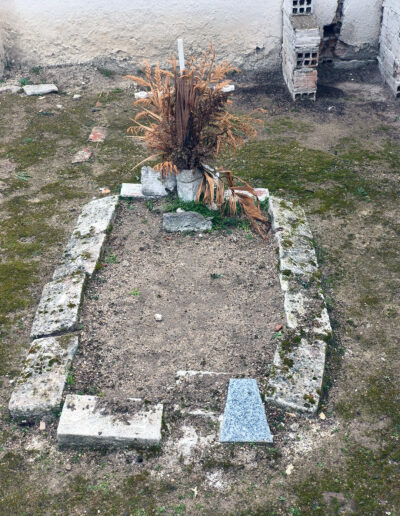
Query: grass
x=350 y=193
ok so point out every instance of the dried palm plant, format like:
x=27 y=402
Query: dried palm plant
x=184 y=121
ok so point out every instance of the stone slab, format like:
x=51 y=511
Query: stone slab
x=244 y=417
x=40 y=89
x=81 y=424
x=186 y=221
x=39 y=388
x=86 y=244
x=82 y=254
x=96 y=216
x=297 y=381
x=98 y=134
x=131 y=191
x=82 y=156
x=58 y=309
x=299 y=360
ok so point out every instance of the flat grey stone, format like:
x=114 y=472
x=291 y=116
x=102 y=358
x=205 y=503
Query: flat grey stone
x=81 y=424
x=59 y=306
x=40 y=89
x=188 y=184
x=244 y=418
x=81 y=254
x=186 y=221
x=39 y=388
x=131 y=191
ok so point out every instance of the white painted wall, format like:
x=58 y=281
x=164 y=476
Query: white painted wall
x=78 y=31
x=246 y=32
x=361 y=22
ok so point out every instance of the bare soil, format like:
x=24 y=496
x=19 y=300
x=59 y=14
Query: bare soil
x=219 y=297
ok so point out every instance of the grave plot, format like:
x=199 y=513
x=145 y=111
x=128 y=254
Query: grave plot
x=169 y=318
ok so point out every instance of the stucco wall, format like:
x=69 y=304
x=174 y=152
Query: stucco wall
x=246 y=32
x=361 y=22
x=79 y=31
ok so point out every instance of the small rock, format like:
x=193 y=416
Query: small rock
x=158 y=317
x=322 y=416
x=98 y=134
x=289 y=469
x=82 y=156
x=76 y=97
x=294 y=426
x=42 y=426
x=180 y=210
x=68 y=467
x=125 y=263
x=40 y=89
x=59 y=106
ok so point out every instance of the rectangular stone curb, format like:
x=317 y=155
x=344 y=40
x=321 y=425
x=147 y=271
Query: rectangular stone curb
x=244 y=417
x=58 y=309
x=81 y=254
x=131 y=191
x=39 y=388
x=299 y=360
x=82 y=425
x=88 y=238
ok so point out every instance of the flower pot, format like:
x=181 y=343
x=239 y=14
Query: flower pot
x=188 y=184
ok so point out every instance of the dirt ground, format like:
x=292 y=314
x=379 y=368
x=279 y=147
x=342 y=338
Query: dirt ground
x=340 y=158
x=219 y=297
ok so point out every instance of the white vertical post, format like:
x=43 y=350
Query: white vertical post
x=181 y=55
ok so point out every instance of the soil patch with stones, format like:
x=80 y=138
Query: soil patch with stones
x=219 y=297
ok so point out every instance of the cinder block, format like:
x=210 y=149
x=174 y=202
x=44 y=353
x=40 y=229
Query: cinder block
x=298 y=7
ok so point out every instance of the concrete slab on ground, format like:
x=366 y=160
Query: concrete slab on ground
x=39 y=388
x=83 y=424
x=59 y=306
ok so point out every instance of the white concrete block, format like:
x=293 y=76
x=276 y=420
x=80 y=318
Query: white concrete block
x=131 y=191
x=83 y=422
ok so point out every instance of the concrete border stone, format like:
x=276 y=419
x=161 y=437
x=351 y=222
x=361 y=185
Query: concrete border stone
x=82 y=424
x=299 y=360
x=59 y=306
x=39 y=388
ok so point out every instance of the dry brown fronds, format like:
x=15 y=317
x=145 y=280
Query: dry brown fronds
x=183 y=120
x=229 y=192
